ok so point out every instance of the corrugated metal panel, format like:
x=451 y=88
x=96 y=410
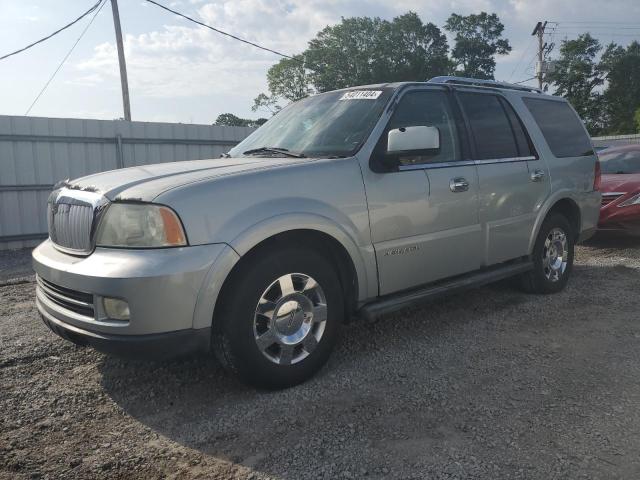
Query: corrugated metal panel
x=37 y=152
x=616 y=140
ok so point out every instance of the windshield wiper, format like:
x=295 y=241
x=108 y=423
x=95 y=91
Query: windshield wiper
x=283 y=151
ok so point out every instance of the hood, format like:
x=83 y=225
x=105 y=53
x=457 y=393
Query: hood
x=627 y=183
x=144 y=183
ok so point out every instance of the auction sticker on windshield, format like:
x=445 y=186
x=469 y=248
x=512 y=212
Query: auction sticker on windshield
x=361 y=95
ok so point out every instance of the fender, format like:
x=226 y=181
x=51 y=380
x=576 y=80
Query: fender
x=363 y=257
x=548 y=205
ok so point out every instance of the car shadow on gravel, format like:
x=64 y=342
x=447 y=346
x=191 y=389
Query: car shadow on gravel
x=491 y=374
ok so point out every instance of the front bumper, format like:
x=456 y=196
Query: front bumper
x=161 y=286
x=153 y=346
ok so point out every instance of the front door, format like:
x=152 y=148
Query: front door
x=424 y=217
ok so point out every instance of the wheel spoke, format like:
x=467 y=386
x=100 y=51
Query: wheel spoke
x=267 y=339
x=286 y=354
x=310 y=285
x=310 y=343
x=319 y=313
x=266 y=307
x=286 y=285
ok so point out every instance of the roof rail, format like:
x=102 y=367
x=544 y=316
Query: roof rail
x=478 y=82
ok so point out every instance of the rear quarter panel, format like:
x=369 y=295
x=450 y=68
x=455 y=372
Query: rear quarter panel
x=570 y=177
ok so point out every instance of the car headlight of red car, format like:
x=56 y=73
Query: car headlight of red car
x=635 y=200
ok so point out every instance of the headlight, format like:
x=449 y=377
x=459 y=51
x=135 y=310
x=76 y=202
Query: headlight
x=635 y=200
x=140 y=225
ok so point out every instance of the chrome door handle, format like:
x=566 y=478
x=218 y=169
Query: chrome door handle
x=458 y=185
x=537 y=175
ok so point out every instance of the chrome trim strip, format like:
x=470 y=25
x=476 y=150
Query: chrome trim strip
x=613 y=194
x=462 y=163
x=429 y=166
x=504 y=160
x=61 y=297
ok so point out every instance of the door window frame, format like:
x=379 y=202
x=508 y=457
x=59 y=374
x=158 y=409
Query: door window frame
x=504 y=103
x=461 y=132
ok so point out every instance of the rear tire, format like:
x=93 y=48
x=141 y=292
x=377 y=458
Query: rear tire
x=280 y=317
x=552 y=257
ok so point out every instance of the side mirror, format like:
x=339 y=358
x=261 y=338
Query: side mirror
x=419 y=140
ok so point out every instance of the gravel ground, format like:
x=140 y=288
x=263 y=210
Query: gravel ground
x=490 y=384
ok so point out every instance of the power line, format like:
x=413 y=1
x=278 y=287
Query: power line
x=224 y=33
x=54 y=33
x=102 y=2
x=524 y=54
x=527 y=80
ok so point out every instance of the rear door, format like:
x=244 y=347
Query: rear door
x=512 y=181
x=423 y=226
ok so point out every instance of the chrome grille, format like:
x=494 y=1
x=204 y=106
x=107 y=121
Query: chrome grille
x=71 y=217
x=73 y=300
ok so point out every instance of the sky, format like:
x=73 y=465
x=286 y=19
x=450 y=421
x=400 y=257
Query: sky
x=180 y=72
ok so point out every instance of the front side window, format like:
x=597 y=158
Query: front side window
x=560 y=126
x=491 y=129
x=432 y=109
x=329 y=124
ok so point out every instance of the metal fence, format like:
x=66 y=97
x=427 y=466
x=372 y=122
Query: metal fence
x=37 y=152
x=616 y=140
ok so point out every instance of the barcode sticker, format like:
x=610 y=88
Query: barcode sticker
x=361 y=95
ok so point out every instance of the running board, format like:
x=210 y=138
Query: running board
x=396 y=301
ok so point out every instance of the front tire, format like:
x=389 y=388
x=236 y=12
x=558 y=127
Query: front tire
x=552 y=257
x=279 y=318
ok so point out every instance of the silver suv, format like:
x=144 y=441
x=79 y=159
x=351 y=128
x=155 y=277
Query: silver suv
x=352 y=202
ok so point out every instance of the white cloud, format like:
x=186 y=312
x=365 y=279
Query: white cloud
x=183 y=60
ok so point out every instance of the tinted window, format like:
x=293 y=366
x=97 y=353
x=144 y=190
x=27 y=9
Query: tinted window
x=560 y=126
x=522 y=140
x=432 y=109
x=490 y=126
x=623 y=161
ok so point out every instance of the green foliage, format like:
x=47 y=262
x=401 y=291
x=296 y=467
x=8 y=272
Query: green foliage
x=636 y=117
x=577 y=76
x=231 y=120
x=363 y=50
x=622 y=95
x=478 y=39
x=604 y=91
x=359 y=51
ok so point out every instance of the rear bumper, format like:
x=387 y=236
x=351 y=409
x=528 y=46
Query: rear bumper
x=154 y=346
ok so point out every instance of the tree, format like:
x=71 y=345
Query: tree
x=364 y=50
x=577 y=76
x=288 y=79
x=636 y=117
x=622 y=94
x=231 y=120
x=478 y=39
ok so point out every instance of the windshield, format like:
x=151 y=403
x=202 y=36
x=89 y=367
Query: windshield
x=329 y=124
x=620 y=161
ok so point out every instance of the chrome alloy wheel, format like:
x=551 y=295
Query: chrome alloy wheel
x=555 y=254
x=290 y=318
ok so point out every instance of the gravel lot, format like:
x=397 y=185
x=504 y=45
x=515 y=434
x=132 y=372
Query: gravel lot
x=490 y=384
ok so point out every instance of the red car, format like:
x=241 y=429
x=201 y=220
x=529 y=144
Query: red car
x=620 y=187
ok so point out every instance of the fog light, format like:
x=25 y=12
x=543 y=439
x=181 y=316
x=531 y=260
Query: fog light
x=116 y=308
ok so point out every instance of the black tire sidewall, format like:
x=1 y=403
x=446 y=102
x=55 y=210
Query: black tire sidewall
x=542 y=283
x=241 y=299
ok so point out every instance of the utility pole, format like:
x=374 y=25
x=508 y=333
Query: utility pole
x=539 y=31
x=123 y=66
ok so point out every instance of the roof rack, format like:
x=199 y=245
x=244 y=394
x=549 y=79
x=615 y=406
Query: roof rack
x=478 y=82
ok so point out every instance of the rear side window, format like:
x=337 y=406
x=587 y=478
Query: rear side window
x=491 y=128
x=560 y=126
